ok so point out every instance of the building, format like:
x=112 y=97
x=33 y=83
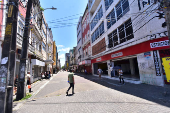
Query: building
x=54 y=57
x=86 y=42
x=67 y=61
x=126 y=33
x=79 y=43
x=3 y=13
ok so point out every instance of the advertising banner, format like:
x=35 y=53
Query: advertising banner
x=166 y=64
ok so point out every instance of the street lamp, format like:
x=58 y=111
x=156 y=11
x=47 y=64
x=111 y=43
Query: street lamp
x=42 y=9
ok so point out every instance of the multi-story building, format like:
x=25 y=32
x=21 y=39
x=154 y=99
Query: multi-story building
x=3 y=13
x=79 y=43
x=128 y=34
x=54 y=57
x=67 y=60
x=86 y=42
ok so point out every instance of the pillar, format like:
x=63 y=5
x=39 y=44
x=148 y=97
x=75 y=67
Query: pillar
x=132 y=66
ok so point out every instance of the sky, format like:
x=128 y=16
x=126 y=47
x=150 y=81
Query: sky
x=63 y=22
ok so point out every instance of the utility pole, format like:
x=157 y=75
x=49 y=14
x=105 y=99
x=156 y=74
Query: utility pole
x=8 y=59
x=22 y=67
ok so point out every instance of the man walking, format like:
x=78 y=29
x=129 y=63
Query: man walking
x=121 y=76
x=71 y=82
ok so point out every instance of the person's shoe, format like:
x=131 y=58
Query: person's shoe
x=66 y=93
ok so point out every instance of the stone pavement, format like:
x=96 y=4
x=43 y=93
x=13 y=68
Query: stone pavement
x=94 y=95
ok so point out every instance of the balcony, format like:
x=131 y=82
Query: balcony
x=86 y=57
x=38 y=54
x=31 y=48
x=49 y=41
x=93 y=4
x=86 y=41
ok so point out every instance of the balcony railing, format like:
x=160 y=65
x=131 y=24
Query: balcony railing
x=31 y=48
x=86 y=41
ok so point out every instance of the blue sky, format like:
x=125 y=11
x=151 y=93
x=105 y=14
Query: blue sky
x=67 y=16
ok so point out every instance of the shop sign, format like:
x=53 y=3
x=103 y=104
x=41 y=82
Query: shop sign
x=166 y=64
x=147 y=55
x=98 y=59
x=156 y=62
x=116 y=55
x=159 y=44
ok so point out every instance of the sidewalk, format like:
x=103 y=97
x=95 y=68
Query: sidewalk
x=145 y=91
x=35 y=88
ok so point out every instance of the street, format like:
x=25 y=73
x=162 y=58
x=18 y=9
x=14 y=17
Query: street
x=92 y=95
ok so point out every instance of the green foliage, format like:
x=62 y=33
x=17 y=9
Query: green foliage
x=42 y=9
x=28 y=95
x=62 y=67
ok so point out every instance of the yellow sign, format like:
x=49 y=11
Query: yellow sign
x=10 y=11
x=8 y=29
x=166 y=64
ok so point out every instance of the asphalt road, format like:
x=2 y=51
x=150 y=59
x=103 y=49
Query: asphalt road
x=92 y=95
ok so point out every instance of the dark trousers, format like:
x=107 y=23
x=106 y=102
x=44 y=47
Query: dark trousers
x=121 y=78
x=71 y=85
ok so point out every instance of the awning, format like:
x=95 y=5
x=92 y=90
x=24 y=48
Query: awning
x=37 y=62
x=85 y=62
x=49 y=61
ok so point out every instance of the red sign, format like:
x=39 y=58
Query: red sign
x=132 y=50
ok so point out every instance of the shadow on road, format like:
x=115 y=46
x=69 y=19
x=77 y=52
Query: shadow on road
x=145 y=91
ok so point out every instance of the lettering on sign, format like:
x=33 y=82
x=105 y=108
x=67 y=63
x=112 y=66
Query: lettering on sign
x=116 y=55
x=8 y=29
x=98 y=59
x=159 y=44
x=10 y=11
x=156 y=62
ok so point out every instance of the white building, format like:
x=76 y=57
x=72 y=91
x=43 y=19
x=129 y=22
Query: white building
x=125 y=33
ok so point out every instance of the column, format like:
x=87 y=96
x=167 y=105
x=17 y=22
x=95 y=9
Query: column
x=132 y=66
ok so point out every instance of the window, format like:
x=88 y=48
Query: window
x=98 y=32
x=118 y=10
x=97 y=17
x=129 y=29
x=125 y=6
x=125 y=32
x=20 y=28
x=43 y=33
x=122 y=33
x=43 y=46
x=108 y=3
x=122 y=8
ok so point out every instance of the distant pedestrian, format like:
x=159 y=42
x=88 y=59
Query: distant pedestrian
x=29 y=81
x=15 y=84
x=100 y=72
x=71 y=82
x=85 y=71
x=121 y=76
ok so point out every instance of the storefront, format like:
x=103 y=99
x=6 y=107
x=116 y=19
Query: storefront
x=85 y=65
x=141 y=60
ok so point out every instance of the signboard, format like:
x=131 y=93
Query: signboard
x=156 y=62
x=159 y=44
x=147 y=55
x=166 y=64
x=117 y=54
x=98 y=59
